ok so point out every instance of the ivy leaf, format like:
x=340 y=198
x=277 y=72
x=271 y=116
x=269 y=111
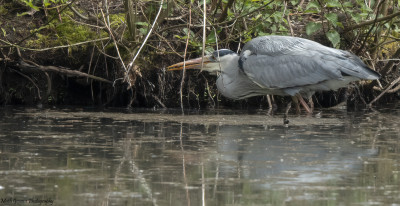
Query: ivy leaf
x=334 y=37
x=313 y=27
x=333 y=18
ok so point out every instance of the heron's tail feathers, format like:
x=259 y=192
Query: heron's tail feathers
x=352 y=65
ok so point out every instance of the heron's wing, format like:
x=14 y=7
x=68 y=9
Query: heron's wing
x=288 y=62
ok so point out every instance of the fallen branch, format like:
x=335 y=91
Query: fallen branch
x=385 y=91
x=24 y=66
x=397 y=88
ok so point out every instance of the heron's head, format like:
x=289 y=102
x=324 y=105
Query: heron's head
x=213 y=63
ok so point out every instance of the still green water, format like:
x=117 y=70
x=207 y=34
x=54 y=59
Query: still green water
x=220 y=157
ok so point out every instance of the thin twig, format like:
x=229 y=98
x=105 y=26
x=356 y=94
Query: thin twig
x=373 y=21
x=116 y=48
x=204 y=33
x=384 y=91
x=50 y=48
x=370 y=30
x=184 y=59
x=389 y=65
x=220 y=23
x=397 y=88
x=130 y=65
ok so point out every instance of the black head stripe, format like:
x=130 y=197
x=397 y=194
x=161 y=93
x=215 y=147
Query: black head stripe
x=222 y=52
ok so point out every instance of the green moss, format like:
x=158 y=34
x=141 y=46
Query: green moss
x=117 y=20
x=67 y=32
x=3 y=11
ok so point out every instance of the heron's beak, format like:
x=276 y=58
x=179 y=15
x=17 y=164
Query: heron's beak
x=190 y=64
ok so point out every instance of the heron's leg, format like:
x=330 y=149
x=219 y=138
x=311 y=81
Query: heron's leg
x=269 y=101
x=296 y=103
x=285 y=116
x=311 y=103
x=289 y=105
x=306 y=107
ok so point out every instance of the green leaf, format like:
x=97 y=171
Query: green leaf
x=313 y=27
x=46 y=3
x=356 y=17
x=334 y=37
x=334 y=3
x=143 y=31
x=312 y=4
x=210 y=38
x=333 y=18
x=141 y=23
x=30 y=4
x=348 y=4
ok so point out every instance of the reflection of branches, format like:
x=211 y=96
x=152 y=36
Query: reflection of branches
x=135 y=170
x=128 y=158
x=184 y=165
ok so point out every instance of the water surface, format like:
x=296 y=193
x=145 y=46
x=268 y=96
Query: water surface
x=219 y=157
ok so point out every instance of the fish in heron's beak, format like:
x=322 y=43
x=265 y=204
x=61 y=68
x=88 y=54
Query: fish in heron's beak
x=191 y=64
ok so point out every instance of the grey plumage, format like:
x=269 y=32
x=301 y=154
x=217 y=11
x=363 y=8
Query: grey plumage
x=284 y=65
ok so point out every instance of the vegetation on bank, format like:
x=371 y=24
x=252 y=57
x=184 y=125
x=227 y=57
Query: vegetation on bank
x=114 y=53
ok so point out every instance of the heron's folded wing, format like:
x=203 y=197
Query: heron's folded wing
x=287 y=71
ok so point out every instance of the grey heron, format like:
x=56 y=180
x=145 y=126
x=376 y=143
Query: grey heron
x=281 y=65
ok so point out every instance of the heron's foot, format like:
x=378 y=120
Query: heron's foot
x=285 y=120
